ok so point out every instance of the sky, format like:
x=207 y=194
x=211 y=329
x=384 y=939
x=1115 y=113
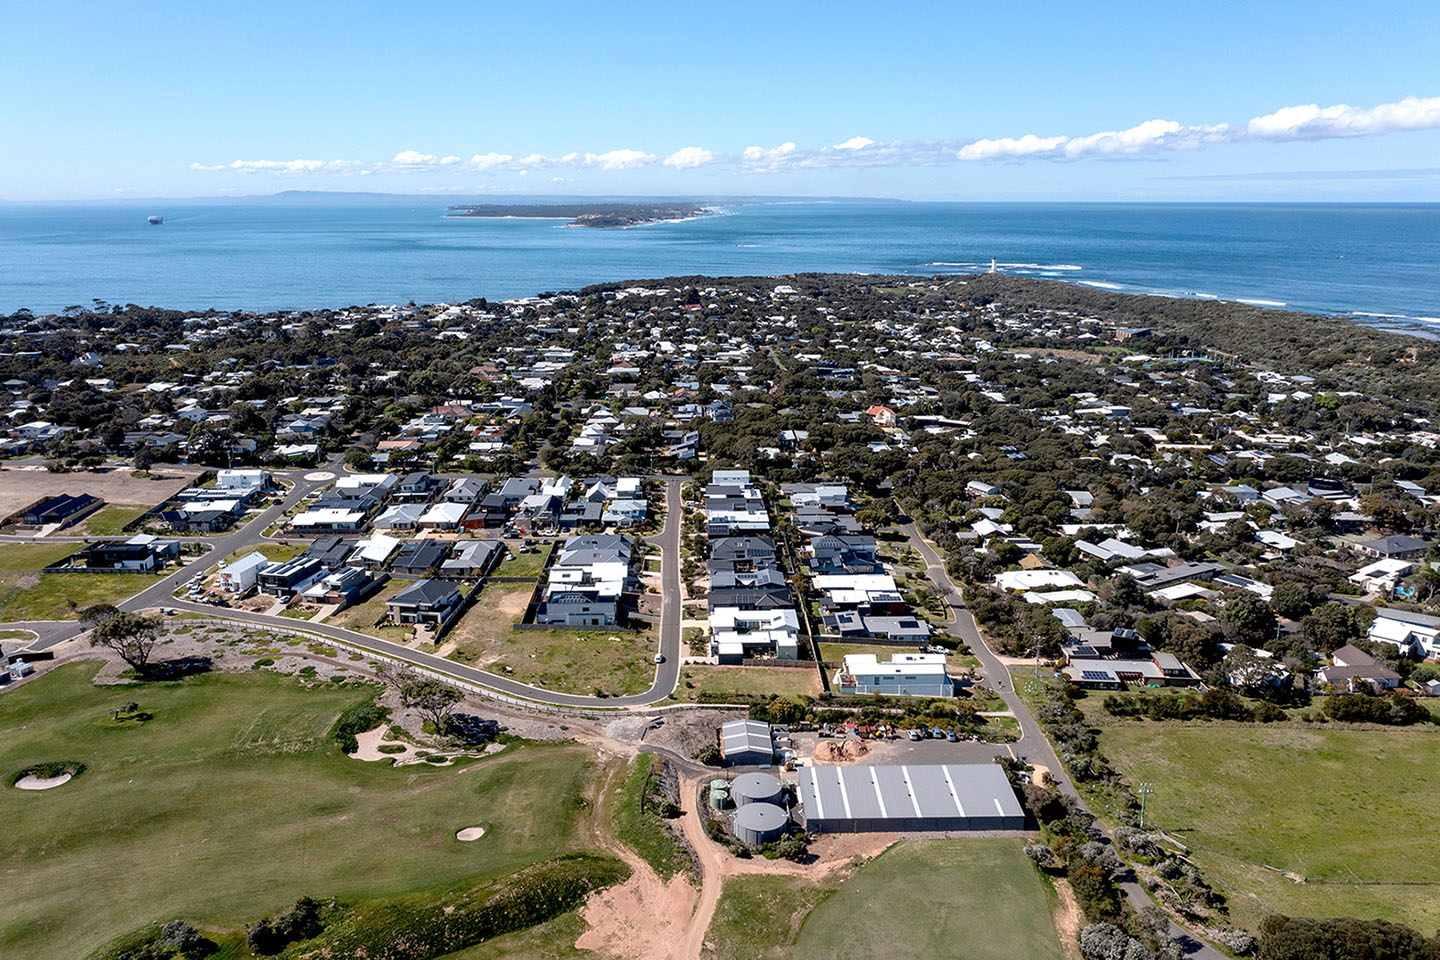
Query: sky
x=1313 y=101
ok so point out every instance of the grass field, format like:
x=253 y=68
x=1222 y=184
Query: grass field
x=1338 y=807
x=109 y=520
x=759 y=917
x=979 y=898
x=523 y=564
x=565 y=660
x=27 y=594
x=639 y=825
x=748 y=681
x=232 y=801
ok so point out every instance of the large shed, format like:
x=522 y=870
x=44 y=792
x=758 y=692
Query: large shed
x=757 y=823
x=952 y=796
x=747 y=743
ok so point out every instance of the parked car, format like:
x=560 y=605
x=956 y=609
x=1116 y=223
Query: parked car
x=952 y=736
x=915 y=735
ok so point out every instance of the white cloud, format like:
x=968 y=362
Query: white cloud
x=1313 y=122
x=1304 y=122
x=619 y=159
x=689 y=157
x=761 y=158
x=487 y=161
x=413 y=158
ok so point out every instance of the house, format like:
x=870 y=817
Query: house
x=373 y=553
x=1019 y=581
x=979 y=488
x=139 y=554
x=1382 y=576
x=1396 y=547
x=465 y=490
x=243 y=483
x=472 y=558
x=418 y=558
x=425 y=602
x=905 y=674
x=342 y=586
x=400 y=516
x=1353 y=668
x=737 y=634
x=443 y=516
x=332 y=552
x=288 y=578
x=242 y=574
x=355 y=485
x=908 y=628
x=843 y=553
x=64 y=509
x=739 y=554
x=329 y=520
x=1415 y=634
x=883 y=416
x=416 y=486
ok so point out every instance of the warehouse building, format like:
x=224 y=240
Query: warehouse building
x=952 y=796
x=747 y=743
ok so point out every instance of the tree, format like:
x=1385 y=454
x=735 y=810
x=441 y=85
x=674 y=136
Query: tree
x=97 y=613
x=1248 y=614
x=144 y=458
x=1292 y=600
x=434 y=699
x=129 y=635
x=1245 y=668
x=1331 y=625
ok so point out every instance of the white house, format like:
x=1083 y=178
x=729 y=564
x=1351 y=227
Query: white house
x=906 y=674
x=241 y=575
x=1413 y=633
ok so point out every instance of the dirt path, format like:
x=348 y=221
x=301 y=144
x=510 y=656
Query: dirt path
x=1068 y=919
x=644 y=918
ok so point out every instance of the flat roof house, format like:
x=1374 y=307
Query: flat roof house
x=906 y=674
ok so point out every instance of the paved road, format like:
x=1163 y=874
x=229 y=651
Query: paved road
x=1033 y=746
x=161 y=595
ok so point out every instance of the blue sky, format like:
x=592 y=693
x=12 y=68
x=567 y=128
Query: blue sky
x=1037 y=101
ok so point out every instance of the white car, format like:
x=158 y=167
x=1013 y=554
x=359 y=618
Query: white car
x=659 y=658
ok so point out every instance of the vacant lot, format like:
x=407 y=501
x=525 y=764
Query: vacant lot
x=522 y=564
x=983 y=894
x=834 y=653
x=27 y=594
x=275 y=551
x=22 y=486
x=572 y=661
x=1335 y=806
x=696 y=681
x=979 y=898
x=362 y=618
x=108 y=521
x=233 y=801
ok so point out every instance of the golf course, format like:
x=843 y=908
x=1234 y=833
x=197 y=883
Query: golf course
x=229 y=800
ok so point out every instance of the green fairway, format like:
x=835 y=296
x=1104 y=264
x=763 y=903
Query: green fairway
x=28 y=594
x=975 y=898
x=232 y=802
x=1338 y=807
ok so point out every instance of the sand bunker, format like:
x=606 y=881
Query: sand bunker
x=843 y=751
x=470 y=833
x=33 y=782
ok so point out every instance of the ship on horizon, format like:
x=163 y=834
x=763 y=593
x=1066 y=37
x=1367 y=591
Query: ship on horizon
x=156 y=218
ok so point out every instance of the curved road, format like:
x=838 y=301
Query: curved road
x=667 y=673
x=1037 y=748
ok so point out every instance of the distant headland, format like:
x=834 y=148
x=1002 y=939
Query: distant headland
x=582 y=214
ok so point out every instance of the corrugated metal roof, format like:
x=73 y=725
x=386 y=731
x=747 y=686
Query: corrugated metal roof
x=925 y=791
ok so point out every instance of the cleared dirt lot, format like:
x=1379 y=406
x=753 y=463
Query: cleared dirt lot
x=22 y=486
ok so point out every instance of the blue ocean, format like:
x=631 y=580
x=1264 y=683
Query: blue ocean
x=1376 y=263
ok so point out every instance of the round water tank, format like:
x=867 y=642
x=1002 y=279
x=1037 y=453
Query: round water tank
x=719 y=794
x=755 y=788
x=758 y=823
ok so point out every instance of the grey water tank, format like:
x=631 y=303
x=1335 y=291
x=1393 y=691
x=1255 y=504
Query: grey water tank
x=759 y=823
x=755 y=788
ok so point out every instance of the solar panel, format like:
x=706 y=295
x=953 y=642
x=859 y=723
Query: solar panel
x=1095 y=675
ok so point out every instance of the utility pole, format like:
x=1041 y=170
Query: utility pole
x=1145 y=790
x=1038 y=640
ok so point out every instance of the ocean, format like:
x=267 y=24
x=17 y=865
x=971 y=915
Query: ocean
x=1377 y=264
